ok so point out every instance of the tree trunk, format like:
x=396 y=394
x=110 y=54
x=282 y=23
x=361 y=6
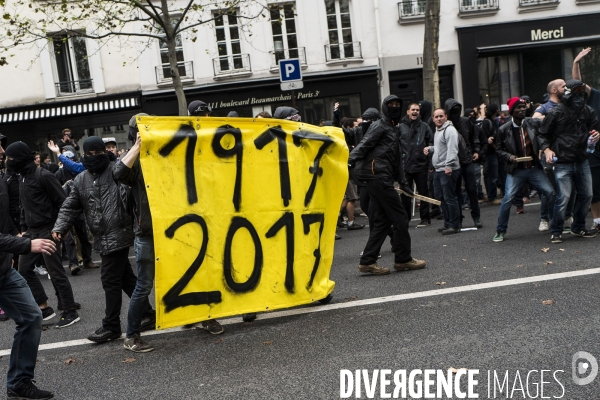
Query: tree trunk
x=431 y=76
x=171 y=37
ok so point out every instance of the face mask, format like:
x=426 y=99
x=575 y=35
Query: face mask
x=16 y=166
x=395 y=113
x=577 y=101
x=132 y=133
x=365 y=126
x=96 y=163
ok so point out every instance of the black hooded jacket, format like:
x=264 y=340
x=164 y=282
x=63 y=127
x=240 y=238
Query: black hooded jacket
x=426 y=111
x=415 y=136
x=465 y=128
x=566 y=132
x=41 y=197
x=104 y=203
x=134 y=178
x=9 y=243
x=378 y=155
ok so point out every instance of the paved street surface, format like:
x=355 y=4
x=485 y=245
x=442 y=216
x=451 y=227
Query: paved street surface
x=299 y=354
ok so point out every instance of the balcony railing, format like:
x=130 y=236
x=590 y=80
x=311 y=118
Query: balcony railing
x=411 y=9
x=234 y=64
x=285 y=54
x=478 y=6
x=186 y=71
x=66 y=88
x=525 y=3
x=343 y=51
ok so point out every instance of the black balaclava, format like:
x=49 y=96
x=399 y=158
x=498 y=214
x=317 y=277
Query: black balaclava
x=575 y=101
x=393 y=113
x=95 y=163
x=21 y=156
x=133 y=128
x=370 y=115
x=425 y=110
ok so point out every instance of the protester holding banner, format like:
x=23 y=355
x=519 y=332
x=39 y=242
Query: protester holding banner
x=378 y=161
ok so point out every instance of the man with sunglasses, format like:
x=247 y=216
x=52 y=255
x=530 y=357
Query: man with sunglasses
x=565 y=133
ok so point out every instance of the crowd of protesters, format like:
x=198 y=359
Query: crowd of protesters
x=445 y=154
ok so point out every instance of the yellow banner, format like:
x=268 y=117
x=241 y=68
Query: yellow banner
x=244 y=213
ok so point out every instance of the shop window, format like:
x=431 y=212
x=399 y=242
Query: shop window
x=71 y=65
x=499 y=78
x=285 y=40
x=339 y=28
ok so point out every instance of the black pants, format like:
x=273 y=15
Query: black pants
x=468 y=175
x=420 y=179
x=56 y=270
x=86 y=246
x=386 y=209
x=435 y=209
x=116 y=275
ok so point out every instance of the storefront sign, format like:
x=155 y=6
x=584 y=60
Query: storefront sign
x=263 y=100
x=538 y=34
x=244 y=213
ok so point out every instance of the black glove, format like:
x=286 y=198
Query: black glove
x=406 y=188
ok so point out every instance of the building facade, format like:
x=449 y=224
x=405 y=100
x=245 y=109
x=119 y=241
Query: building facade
x=352 y=52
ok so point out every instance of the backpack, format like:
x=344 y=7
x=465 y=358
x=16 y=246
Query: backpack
x=463 y=151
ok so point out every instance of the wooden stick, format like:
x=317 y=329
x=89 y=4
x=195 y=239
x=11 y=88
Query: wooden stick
x=423 y=198
x=524 y=159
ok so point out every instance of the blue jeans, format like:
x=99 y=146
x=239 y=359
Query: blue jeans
x=491 y=176
x=138 y=305
x=444 y=188
x=545 y=207
x=17 y=302
x=565 y=175
x=514 y=182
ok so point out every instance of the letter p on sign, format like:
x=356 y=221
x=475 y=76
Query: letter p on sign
x=289 y=70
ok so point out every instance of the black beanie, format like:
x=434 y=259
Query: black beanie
x=93 y=143
x=19 y=151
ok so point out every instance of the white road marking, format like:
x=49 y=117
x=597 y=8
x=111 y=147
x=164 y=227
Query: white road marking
x=352 y=304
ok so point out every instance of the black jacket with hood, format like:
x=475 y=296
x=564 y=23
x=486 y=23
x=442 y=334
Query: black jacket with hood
x=104 y=202
x=40 y=198
x=415 y=136
x=378 y=155
x=566 y=131
x=9 y=243
x=426 y=111
x=464 y=127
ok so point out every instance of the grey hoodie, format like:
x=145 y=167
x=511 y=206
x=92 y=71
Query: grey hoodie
x=445 y=148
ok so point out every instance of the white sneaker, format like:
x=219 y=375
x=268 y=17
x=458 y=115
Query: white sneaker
x=544 y=226
x=41 y=270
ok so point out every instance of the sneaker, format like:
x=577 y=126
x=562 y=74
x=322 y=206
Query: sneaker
x=213 y=326
x=373 y=269
x=3 y=316
x=48 y=313
x=521 y=210
x=567 y=225
x=355 y=226
x=76 y=306
x=595 y=227
x=337 y=237
x=478 y=223
x=423 y=224
x=28 y=391
x=440 y=230
x=533 y=194
x=137 y=344
x=68 y=318
x=544 y=226
x=41 y=270
x=585 y=234
x=496 y=202
x=90 y=265
x=556 y=239
x=148 y=324
x=450 y=231
x=342 y=224
x=411 y=265
x=75 y=268
x=103 y=335
x=499 y=237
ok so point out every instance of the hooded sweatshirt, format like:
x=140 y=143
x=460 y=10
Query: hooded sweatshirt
x=445 y=148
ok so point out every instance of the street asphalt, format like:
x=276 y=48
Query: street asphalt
x=498 y=329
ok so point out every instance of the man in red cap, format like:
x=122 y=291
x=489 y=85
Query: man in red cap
x=517 y=139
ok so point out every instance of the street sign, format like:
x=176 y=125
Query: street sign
x=292 y=85
x=289 y=70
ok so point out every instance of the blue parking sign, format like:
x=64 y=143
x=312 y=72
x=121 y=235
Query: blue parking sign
x=289 y=70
